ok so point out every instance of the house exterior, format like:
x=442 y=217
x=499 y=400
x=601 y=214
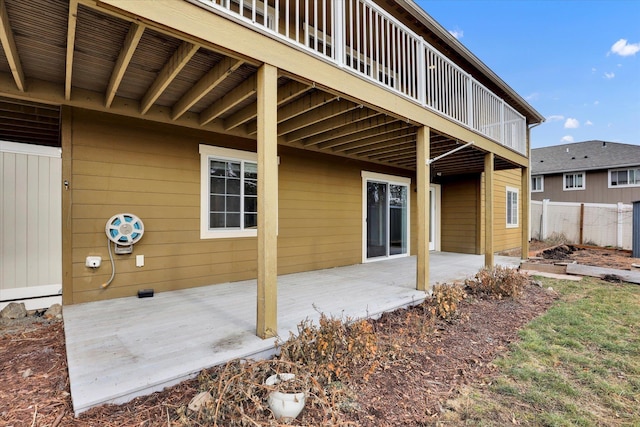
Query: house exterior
x=250 y=139
x=586 y=172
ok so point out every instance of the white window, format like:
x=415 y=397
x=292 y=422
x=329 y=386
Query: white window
x=574 y=181
x=537 y=184
x=512 y=207
x=228 y=193
x=624 y=178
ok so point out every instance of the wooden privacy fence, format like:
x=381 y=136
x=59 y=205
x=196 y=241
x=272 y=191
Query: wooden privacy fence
x=583 y=223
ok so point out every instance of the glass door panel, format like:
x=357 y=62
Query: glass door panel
x=377 y=236
x=397 y=219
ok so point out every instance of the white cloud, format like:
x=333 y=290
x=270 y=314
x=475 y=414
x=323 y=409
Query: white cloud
x=609 y=75
x=534 y=95
x=623 y=48
x=457 y=33
x=567 y=138
x=588 y=123
x=596 y=102
x=571 y=123
x=555 y=118
x=593 y=70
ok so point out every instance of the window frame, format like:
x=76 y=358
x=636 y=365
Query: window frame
x=541 y=177
x=637 y=177
x=509 y=207
x=207 y=153
x=564 y=181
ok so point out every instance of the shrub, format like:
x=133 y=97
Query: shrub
x=498 y=282
x=331 y=349
x=446 y=298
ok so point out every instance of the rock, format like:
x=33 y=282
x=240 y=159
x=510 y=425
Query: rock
x=550 y=289
x=200 y=400
x=54 y=312
x=27 y=373
x=14 y=310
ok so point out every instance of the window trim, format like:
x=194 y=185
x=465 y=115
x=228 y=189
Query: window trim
x=584 y=181
x=516 y=191
x=541 y=183
x=609 y=185
x=208 y=152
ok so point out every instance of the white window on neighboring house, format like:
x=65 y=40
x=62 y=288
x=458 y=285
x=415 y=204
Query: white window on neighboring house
x=574 y=181
x=537 y=184
x=512 y=207
x=624 y=177
x=228 y=193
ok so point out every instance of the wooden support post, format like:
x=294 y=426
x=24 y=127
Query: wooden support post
x=526 y=203
x=267 y=132
x=66 y=123
x=423 y=178
x=488 y=210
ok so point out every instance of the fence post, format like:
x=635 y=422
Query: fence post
x=619 y=226
x=543 y=219
x=582 y=223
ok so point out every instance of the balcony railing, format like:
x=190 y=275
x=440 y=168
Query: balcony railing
x=360 y=36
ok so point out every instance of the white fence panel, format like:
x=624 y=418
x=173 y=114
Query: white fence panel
x=30 y=224
x=602 y=224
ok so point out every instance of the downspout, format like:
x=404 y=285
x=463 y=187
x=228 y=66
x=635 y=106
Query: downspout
x=449 y=152
x=529 y=174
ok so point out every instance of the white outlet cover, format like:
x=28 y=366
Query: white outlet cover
x=93 y=261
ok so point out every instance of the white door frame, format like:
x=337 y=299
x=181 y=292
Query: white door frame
x=389 y=179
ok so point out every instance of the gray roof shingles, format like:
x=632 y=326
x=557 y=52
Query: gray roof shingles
x=582 y=156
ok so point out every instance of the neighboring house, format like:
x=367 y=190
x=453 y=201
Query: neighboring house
x=252 y=140
x=586 y=172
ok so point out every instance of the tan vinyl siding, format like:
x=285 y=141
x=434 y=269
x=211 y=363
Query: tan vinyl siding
x=460 y=215
x=463 y=213
x=320 y=222
x=504 y=237
x=153 y=171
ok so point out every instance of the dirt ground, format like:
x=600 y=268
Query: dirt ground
x=598 y=257
x=411 y=388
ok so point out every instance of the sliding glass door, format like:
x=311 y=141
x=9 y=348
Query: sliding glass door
x=387 y=218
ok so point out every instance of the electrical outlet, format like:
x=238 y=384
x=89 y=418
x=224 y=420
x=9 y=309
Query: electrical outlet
x=93 y=261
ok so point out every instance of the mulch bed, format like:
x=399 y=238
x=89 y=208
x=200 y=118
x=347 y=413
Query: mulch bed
x=428 y=363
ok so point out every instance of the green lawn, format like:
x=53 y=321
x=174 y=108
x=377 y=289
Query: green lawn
x=577 y=365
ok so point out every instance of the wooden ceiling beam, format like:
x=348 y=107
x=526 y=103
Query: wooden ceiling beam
x=286 y=93
x=317 y=115
x=71 y=42
x=206 y=84
x=10 y=49
x=393 y=148
x=124 y=58
x=383 y=145
x=237 y=95
x=395 y=157
x=356 y=121
x=369 y=136
x=305 y=104
x=335 y=124
x=169 y=71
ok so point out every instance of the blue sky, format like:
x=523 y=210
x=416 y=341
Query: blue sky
x=575 y=61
